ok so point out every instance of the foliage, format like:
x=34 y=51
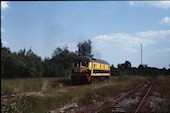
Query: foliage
x=26 y=63
x=21 y=64
x=124 y=66
x=53 y=97
x=143 y=70
x=60 y=64
x=85 y=48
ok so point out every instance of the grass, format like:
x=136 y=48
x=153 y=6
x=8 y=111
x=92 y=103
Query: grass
x=58 y=92
x=165 y=91
x=30 y=84
x=109 y=88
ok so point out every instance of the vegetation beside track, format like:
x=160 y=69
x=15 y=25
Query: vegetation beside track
x=58 y=92
x=22 y=85
x=164 y=90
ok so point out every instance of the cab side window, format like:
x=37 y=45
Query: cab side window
x=85 y=64
x=76 y=64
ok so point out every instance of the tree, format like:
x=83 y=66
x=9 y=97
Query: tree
x=85 y=48
x=124 y=66
x=127 y=65
x=60 y=64
x=34 y=64
x=6 y=62
x=21 y=64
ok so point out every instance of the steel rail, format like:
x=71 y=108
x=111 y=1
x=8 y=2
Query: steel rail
x=144 y=97
x=119 y=98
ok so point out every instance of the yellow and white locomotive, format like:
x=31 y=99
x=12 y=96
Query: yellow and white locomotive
x=86 y=68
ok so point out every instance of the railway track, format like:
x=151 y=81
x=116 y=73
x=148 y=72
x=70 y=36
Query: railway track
x=9 y=96
x=130 y=101
x=6 y=97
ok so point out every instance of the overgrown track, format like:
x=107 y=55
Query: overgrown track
x=8 y=96
x=146 y=94
x=130 y=101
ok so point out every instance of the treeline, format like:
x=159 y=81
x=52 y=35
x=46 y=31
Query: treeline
x=143 y=70
x=26 y=63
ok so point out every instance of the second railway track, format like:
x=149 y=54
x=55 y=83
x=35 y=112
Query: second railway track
x=130 y=101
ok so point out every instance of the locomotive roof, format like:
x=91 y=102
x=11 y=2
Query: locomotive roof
x=90 y=59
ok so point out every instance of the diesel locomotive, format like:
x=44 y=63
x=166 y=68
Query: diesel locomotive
x=89 y=69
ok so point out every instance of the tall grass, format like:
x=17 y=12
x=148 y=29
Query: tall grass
x=164 y=89
x=57 y=92
x=30 y=84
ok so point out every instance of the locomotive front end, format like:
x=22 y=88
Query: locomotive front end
x=80 y=70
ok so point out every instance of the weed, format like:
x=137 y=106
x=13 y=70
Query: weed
x=58 y=93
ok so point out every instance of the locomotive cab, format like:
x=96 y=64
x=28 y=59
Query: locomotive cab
x=80 y=71
x=80 y=67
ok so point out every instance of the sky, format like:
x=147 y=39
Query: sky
x=116 y=28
